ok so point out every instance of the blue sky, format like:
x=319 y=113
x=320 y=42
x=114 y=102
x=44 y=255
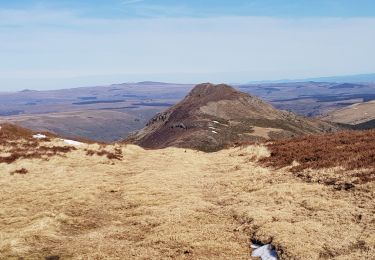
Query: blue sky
x=66 y=43
x=204 y=8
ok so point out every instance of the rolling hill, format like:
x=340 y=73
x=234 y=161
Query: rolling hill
x=212 y=117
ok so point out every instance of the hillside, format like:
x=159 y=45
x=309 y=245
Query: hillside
x=212 y=117
x=359 y=113
x=99 y=125
x=93 y=201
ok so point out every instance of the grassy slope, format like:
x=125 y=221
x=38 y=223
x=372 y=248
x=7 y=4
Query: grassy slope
x=178 y=204
x=354 y=114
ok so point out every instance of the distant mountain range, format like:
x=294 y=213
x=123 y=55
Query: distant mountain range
x=358 y=78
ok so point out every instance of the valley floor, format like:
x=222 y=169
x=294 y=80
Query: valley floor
x=176 y=204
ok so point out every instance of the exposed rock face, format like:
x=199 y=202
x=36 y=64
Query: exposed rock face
x=212 y=117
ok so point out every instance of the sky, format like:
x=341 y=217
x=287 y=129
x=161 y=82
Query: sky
x=70 y=43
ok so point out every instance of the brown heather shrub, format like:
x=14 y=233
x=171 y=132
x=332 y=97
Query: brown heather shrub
x=117 y=155
x=22 y=151
x=352 y=150
x=19 y=143
x=10 y=132
x=20 y=171
x=90 y=152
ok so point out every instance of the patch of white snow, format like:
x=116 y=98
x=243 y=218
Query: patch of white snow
x=71 y=142
x=39 y=136
x=214 y=132
x=216 y=122
x=266 y=252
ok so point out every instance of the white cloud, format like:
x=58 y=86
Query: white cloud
x=42 y=45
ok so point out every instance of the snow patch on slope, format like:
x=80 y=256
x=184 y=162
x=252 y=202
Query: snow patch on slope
x=71 y=142
x=266 y=252
x=39 y=136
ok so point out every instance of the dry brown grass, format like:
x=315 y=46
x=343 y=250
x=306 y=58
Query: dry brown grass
x=176 y=204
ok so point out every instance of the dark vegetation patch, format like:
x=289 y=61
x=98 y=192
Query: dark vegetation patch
x=131 y=96
x=247 y=87
x=347 y=86
x=20 y=171
x=345 y=104
x=87 y=98
x=352 y=150
x=11 y=112
x=32 y=150
x=334 y=98
x=290 y=99
x=116 y=155
x=269 y=89
x=52 y=257
x=151 y=83
x=118 y=108
x=365 y=126
x=153 y=104
x=331 y=98
x=98 y=102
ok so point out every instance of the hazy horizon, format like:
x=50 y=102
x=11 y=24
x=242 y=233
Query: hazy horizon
x=65 y=44
x=328 y=79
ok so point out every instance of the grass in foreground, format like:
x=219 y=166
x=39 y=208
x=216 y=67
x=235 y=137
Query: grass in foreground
x=176 y=204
